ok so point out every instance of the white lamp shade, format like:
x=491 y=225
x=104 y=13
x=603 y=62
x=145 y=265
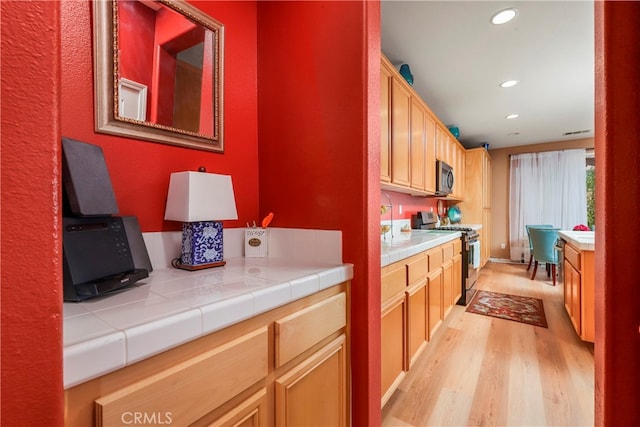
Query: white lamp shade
x=200 y=196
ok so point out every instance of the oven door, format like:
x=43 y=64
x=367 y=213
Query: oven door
x=473 y=261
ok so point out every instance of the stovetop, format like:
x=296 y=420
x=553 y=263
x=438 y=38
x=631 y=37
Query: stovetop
x=454 y=228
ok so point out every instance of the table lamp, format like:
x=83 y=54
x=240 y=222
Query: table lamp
x=200 y=201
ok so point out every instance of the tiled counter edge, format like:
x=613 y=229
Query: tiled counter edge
x=420 y=241
x=172 y=307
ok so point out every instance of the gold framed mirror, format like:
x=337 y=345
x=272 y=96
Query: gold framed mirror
x=159 y=72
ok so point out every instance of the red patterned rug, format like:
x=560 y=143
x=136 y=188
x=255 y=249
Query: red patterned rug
x=511 y=307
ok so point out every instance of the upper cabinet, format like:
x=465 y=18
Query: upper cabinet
x=412 y=138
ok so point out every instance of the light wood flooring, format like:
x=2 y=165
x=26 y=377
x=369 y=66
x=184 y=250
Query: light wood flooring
x=484 y=371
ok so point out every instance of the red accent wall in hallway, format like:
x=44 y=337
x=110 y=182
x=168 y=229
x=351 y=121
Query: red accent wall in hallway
x=31 y=307
x=617 y=147
x=319 y=65
x=140 y=170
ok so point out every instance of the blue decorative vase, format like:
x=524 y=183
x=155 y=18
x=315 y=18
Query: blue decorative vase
x=406 y=73
x=202 y=243
x=454 y=131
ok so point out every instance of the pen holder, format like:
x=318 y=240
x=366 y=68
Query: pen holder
x=256 y=241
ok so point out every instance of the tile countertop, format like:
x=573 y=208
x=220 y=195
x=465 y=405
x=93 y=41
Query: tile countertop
x=419 y=241
x=172 y=307
x=583 y=240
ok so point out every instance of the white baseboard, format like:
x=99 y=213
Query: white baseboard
x=504 y=261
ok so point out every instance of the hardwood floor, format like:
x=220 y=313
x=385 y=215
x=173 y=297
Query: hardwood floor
x=484 y=371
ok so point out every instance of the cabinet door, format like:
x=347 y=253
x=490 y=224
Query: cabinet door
x=485 y=244
x=250 y=413
x=400 y=133
x=568 y=302
x=434 y=285
x=417 y=144
x=393 y=348
x=385 y=123
x=315 y=391
x=575 y=299
x=430 y=154
x=456 y=282
x=417 y=332
x=447 y=287
x=486 y=181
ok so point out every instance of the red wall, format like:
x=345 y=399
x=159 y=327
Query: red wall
x=140 y=170
x=410 y=204
x=319 y=65
x=31 y=262
x=617 y=145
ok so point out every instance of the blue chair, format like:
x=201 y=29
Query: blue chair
x=543 y=241
x=528 y=235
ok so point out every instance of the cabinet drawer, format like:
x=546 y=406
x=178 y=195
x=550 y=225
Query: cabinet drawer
x=218 y=374
x=573 y=256
x=417 y=267
x=447 y=251
x=301 y=330
x=435 y=258
x=394 y=280
x=457 y=247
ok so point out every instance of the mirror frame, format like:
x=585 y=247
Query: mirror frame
x=107 y=120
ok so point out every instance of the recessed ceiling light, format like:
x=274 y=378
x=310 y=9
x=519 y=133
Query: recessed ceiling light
x=511 y=116
x=513 y=134
x=504 y=16
x=509 y=83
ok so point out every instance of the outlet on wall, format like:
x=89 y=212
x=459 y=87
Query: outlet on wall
x=503 y=246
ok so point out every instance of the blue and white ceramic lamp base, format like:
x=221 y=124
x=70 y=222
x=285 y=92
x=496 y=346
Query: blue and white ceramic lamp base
x=201 y=245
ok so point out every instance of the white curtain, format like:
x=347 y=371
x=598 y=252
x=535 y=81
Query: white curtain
x=545 y=188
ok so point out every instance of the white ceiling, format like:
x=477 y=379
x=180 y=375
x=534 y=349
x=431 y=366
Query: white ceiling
x=458 y=59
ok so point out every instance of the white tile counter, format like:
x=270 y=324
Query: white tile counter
x=172 y=306
x=419 y=241
x=583 y=240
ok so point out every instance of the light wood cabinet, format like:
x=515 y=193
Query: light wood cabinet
x=417 y=325
x=315 y=391
x=414 y=300
x=393 y=350
x=436 y=313
x=412 y=138
x=447 y=287
x=430 y=154
x=259 y=372
x=476 y=207
x=400 y=133
x=457 y=284
x=385 y=122
x=418 y=155
x=579 y=290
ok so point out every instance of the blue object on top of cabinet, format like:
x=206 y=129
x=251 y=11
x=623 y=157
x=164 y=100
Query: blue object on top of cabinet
x=406 y=73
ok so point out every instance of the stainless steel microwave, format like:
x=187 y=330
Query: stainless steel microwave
x=444 y=178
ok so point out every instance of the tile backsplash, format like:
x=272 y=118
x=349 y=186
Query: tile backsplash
x=323 y=246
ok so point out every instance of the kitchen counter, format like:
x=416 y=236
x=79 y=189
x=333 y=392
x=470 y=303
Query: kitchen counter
x=583 y=240
x=172 y=307
x=419 y=241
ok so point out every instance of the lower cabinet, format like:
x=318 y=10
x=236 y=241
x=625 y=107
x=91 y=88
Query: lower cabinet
x=315 y=391
x=418 y=323
x=436 y=314
x=393 y=351
x=416 y=293
x=286 y=367
x=579 y=290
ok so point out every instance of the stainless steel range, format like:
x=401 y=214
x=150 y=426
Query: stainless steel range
x=470 y=250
